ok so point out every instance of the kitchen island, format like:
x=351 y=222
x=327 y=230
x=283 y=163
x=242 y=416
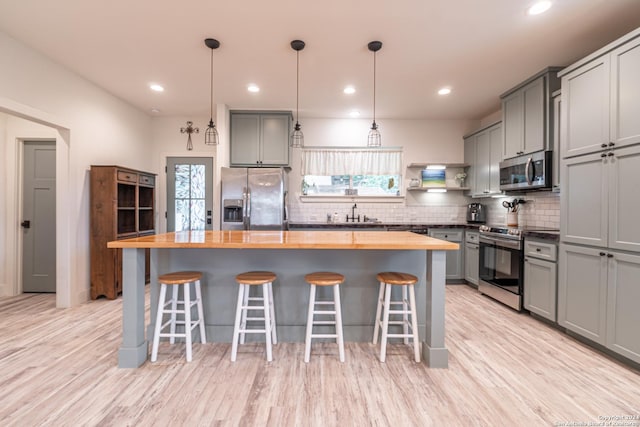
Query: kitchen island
x=220 y=255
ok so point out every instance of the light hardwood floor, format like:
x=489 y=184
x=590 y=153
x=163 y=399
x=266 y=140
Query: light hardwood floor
x=58 y=368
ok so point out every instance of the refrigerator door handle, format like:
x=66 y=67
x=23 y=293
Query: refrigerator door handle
x=248 y=211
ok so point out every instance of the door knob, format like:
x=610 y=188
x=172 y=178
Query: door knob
x=25 y=224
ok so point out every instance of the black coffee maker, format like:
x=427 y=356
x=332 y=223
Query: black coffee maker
x=476 y=213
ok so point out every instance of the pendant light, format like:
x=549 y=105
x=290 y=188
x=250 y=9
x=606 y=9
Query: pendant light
x=296 y=139
x=374 y=139
x=211 y=134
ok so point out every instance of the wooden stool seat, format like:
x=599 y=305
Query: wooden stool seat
x=407 y=302
x=176 y=280
x=179 y=277
x=246 y=281
x=255 y=278
x=395 y=278
x=324 y=278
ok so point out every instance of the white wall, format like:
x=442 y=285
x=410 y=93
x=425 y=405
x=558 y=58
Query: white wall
x=423 y=141
x=93 y=127
x=16 y=130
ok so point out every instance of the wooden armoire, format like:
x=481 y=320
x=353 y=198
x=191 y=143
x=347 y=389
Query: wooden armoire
x=122 y=206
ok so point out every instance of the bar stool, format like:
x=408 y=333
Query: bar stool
x=246 y=281
x=177 y=279
x=324 y=279
x=387 y=281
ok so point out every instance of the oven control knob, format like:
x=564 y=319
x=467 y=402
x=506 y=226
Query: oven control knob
x=514 y=232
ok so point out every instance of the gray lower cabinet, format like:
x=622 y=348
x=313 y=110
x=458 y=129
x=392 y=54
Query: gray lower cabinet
x=455 y=259
x=472 y=258
x=582 y=291
x=598 y=294
x=260 y=138
x=623 y=315
x=540 y=278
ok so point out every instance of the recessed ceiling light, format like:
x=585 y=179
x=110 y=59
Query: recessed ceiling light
x=155 y=110
x=156 y=87
x=253 y=88
x=354 y=113
x=539 y=7
x=349 y=90
x=444 y=91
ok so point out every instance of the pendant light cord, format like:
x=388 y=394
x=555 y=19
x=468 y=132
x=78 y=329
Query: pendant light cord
x=211 y=87
x=297 y=83
x=374 y=87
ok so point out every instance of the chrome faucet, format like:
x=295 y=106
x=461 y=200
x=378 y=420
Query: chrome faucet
x=353 y=214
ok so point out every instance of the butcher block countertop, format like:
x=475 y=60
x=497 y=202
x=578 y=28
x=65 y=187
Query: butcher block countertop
x=256 y=239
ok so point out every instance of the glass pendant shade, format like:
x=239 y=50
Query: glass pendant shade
x=374 y=139
x=296 y=139
x=211 y=134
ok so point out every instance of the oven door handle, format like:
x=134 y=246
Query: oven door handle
x=503 y=243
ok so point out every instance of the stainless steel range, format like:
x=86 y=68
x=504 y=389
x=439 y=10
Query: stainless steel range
x=502 y=265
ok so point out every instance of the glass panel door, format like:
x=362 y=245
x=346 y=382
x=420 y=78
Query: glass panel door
x=189 y=193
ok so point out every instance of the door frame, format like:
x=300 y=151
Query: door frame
x=66 y=277
x=161 y=188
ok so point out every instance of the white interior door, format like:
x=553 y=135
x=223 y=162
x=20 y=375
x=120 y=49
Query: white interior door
x=39 y=217
x=189 y=193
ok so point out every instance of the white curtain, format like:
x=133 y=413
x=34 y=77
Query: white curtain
x=353 y=161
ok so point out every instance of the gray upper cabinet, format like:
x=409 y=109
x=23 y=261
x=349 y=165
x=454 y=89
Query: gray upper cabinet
x=625 y=94
x=557 y=140
x=482 y=150
x=527 y=118
x=599 y=199
x=260 y=138
x=600 y=102
x=585 y=112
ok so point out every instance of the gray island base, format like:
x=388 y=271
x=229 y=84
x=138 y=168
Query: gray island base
x=291 y=293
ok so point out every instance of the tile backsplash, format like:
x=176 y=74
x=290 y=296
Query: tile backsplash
x=542 y=209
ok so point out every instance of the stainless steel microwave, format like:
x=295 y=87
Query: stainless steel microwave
x=528 y=172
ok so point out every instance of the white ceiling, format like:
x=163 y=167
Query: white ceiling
x=479 y=48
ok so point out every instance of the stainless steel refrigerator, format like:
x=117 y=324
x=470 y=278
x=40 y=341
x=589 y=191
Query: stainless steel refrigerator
x=253 y=199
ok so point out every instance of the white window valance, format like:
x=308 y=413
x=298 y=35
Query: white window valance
x=351 y=161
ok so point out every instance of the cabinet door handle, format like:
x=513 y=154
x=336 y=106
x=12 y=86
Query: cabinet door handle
x=603 y=155
x=609 y=255
x=610 y=154
x=611 y=144
x=602 y=254
x=603 y=145
x=538 y=249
